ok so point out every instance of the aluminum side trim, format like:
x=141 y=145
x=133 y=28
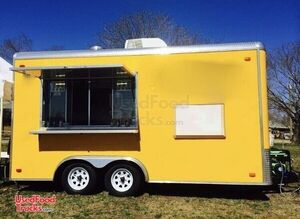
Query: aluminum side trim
x=266 y=168
x=210 y=183
x=30 y=179
x=260 y=121
x=84 y=131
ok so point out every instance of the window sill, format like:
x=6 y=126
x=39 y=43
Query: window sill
x=83 y=131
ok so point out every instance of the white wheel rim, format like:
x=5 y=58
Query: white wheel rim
x=78 y=178
x=121 y=180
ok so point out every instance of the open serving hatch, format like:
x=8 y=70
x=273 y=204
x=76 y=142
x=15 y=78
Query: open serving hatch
x=86 y=99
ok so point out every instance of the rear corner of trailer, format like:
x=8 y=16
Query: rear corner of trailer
x=262 y=145
x=246 y=118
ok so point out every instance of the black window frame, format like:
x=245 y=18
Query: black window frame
x=113 y=125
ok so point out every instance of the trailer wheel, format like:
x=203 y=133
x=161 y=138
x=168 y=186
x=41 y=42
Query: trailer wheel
x=79 y=178
x=123 y=180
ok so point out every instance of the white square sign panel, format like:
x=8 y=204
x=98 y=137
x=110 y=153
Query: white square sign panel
x=200 y=121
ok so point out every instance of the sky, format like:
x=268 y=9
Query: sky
x=74 y=24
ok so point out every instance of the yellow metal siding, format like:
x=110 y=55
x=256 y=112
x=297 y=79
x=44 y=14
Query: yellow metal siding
x=163 y=81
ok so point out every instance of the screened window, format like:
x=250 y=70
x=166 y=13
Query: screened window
x=99 y=97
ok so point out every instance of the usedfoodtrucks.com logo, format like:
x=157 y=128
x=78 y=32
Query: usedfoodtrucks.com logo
x=34 y=203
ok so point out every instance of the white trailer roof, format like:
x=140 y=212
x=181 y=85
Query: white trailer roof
x=141 y=51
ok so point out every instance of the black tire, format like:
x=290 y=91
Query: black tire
x=86 y=177
x=131 y=173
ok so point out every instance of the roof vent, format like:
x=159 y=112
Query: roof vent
x=95 y=48
x=144 y=43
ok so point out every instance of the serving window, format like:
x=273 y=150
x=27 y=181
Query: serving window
x=97 y=98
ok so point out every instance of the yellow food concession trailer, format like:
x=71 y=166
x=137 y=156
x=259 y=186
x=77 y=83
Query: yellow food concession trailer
x=146 y=113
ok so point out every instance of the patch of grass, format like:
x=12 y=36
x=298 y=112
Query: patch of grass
x=169 y=202
x=155 y=206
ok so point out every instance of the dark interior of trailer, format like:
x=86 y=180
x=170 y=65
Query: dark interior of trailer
x=88 y=98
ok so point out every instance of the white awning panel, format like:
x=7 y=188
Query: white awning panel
x=35 y=71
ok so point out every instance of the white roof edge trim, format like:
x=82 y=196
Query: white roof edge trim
x=142 y=51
